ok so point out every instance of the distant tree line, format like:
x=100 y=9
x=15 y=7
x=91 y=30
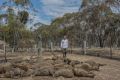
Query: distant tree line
x=97 y=23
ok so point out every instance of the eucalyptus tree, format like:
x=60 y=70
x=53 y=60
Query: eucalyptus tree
x=101 y=20
x=16 y=21
x=22 y=2
x=98 y=10
x=113 y=31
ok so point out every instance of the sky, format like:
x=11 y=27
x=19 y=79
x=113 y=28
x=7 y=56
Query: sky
x=44 y=11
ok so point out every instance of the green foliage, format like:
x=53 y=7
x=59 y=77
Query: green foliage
x=15 y=31
x=23 y=16
x=22 y=2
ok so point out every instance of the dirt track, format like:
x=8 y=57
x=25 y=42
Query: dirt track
x=111 y=71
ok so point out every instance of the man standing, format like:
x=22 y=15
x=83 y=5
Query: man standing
x=64 y=46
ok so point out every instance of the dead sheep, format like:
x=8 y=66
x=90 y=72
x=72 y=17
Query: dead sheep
x=67 y=61
x=83 y=73
x=24 y=66
x=57 y=58
x=44 y=71
x=17 y=60
x=2 y=70
x=14 y=73
x=74 y=62
x=50 y=61
x=84 y=66
x=94 y=66
x=62 y=66
x=30 y=72
x=67 y=73
x=5 y=67
x=9 y=74
x=41 y=64
x=2 y=76
x=58 y=62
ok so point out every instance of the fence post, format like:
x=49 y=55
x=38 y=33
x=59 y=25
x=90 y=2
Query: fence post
x=84 y=48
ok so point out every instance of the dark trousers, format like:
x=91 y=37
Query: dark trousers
x=64 y=52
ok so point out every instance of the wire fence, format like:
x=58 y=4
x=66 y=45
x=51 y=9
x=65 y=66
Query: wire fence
x=93 y=51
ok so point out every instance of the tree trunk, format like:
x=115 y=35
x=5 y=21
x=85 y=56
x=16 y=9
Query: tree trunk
x=5 y=48
x=111 y=47
x=5 y=53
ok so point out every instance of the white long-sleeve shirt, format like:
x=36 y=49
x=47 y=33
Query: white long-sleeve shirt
x=64 y=43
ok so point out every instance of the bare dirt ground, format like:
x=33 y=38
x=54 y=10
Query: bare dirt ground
x=111 y=71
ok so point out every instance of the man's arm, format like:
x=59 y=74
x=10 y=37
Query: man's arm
x=67 y=43
x=61 y=45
